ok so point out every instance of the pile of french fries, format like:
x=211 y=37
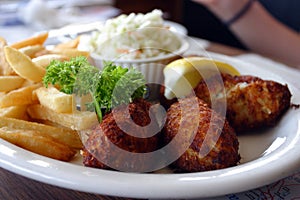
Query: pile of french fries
x=39 y=119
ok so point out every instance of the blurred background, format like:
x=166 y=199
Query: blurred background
x=196 y=18
x=25 y=16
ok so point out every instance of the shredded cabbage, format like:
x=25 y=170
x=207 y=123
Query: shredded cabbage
x=133 y=36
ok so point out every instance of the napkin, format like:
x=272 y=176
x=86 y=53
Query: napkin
x=42 y=14
x=39 y=14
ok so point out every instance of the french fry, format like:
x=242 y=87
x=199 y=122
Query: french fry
x=28 y=83
x=53 y=99
x=17 y=112
x=21 y=96
x=5 y=68
x=43 y=52
x=71 y=44
x=2 y=94
x=62 y=135
x=76 y=121
x=83 y=100
x=8 y=83
x=70 y=53
x=45 y=60
x=34 y=40
x=23 y=65
x=37 y=143
x=31 y=50
x=49 y=123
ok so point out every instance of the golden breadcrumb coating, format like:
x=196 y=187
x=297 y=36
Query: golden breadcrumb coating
x=215 y=144
x=99 y=149
x=252 y=103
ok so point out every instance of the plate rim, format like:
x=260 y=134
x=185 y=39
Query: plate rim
x=185 y=185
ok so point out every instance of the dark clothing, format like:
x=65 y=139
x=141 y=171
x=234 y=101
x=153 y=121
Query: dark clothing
x=200 y=22
x=286 y=11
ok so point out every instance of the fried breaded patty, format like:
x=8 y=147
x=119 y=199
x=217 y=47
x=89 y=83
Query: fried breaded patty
x=252 y=103
x=100 y=148
x=206 y=138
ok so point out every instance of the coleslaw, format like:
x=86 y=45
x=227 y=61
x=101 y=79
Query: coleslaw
x=131 y=37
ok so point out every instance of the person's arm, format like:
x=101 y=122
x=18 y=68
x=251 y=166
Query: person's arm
x=258 y=30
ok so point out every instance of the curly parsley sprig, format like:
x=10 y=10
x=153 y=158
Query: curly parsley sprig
x=110 y=87
x=63 y=74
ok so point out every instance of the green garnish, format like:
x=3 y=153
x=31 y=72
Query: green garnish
x=63 y=74
x=109 y=88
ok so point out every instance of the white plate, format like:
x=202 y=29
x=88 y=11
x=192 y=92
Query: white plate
x=266 y=157
x=176 y=27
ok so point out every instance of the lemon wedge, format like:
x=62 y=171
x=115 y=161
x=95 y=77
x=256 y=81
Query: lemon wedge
x=183 y=75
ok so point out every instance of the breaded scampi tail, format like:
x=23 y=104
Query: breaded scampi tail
x=204 y=137
x=252 y=103
x=107 y=143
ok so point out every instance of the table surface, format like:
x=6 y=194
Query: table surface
x=13 y=186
